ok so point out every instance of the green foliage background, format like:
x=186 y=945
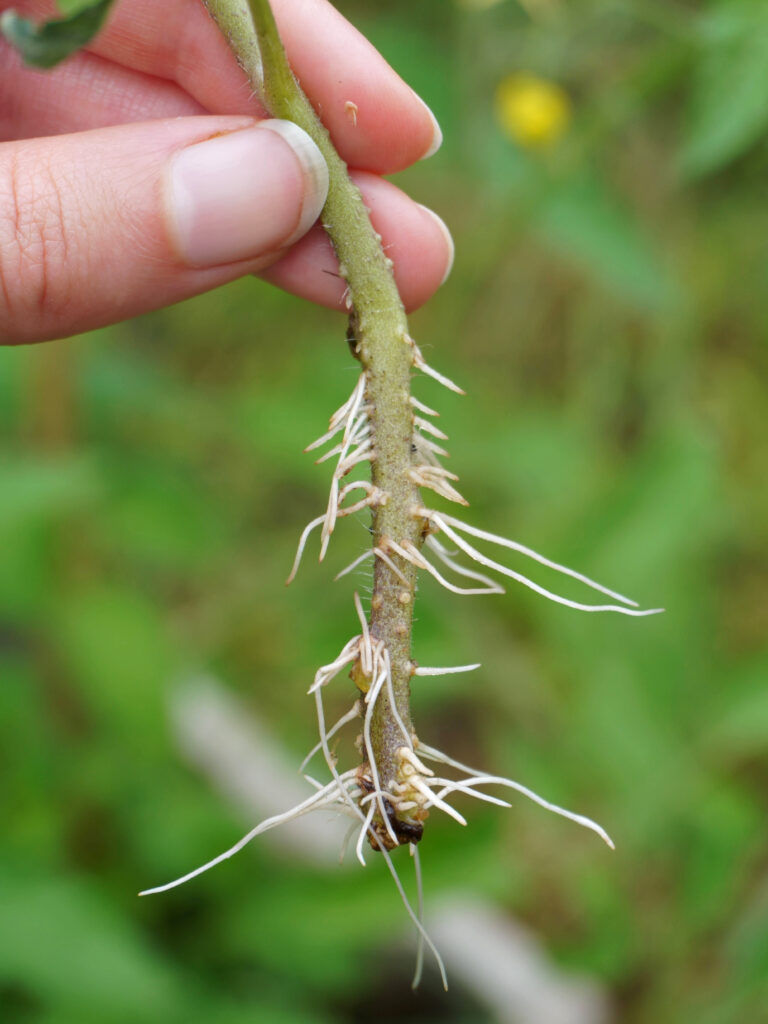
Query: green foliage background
x=608 y=316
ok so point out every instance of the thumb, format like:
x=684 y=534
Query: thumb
x=104 y=225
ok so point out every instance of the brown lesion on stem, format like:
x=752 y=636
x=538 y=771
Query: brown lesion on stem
x=388 y=394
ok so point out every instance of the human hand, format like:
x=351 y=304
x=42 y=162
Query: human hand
x=139 y=173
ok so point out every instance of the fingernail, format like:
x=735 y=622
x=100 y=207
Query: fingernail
x=437 y=135
x=246 y=194
x=448 y=240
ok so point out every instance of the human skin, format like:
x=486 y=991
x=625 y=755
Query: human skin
x=91 y=150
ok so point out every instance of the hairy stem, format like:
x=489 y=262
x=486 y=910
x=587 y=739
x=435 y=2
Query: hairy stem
x=379 y=339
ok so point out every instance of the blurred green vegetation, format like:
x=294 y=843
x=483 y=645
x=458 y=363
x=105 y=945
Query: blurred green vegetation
x=608 y=315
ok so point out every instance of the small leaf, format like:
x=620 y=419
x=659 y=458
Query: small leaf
x=49 y=43
x=728 y=110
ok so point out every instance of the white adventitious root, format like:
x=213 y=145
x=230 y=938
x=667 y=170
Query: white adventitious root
x=360 y=792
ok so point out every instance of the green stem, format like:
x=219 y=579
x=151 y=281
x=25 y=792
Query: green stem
x=383 y=347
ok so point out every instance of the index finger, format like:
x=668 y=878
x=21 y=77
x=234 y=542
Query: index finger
x=375 y=119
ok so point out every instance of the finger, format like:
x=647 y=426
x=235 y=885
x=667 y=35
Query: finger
x=414 y=238
x=84 y=92
x=376 y=121
x=103 y=225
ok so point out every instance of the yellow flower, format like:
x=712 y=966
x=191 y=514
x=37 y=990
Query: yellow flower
x=532 y=111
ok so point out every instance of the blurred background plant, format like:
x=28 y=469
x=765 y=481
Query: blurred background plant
x=604 y=176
